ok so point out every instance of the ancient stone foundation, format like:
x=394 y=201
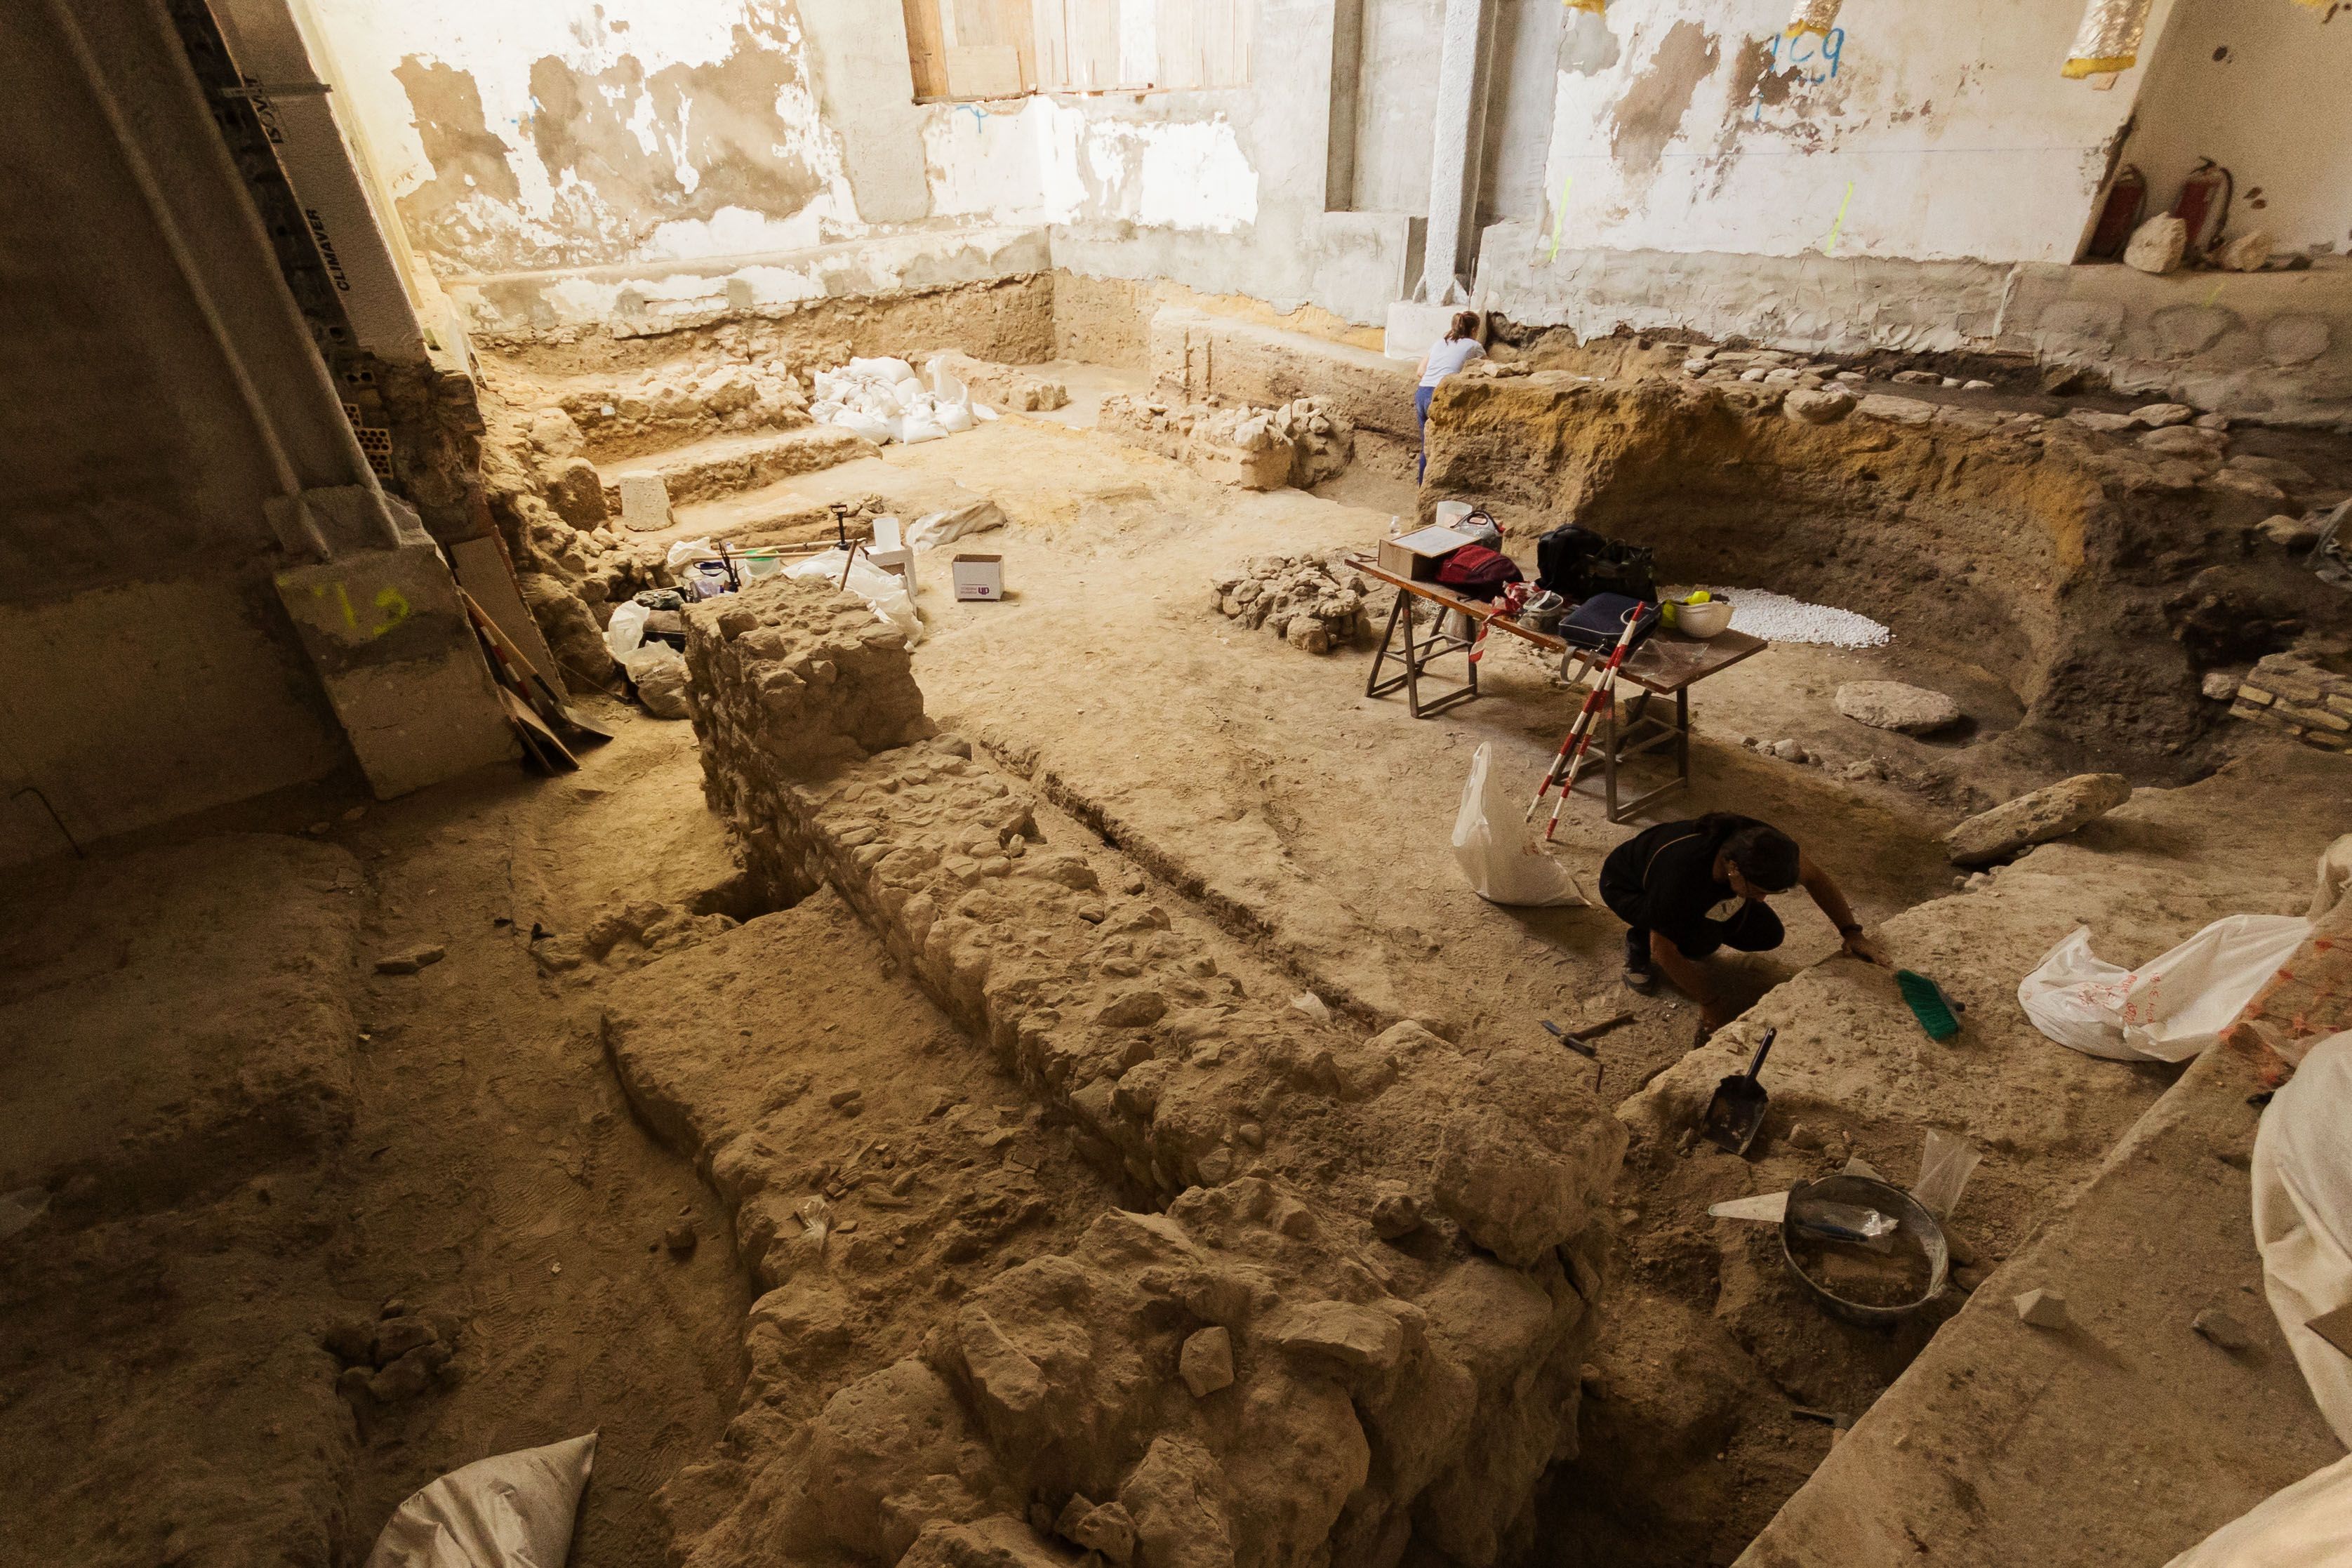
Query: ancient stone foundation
x=1300 y=443
x=2299 y=695
x=1354 y=1330
x=1314 y=603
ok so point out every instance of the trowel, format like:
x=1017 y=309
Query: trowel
x=1736 y=1114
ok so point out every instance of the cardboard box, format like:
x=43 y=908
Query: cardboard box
x=979 y=576
x=1414 y=556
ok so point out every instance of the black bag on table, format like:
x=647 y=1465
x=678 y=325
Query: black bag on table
x=1599 y=621
x=1576 y=563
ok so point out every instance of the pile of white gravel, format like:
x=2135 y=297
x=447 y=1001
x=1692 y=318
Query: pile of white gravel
x=1775 y=617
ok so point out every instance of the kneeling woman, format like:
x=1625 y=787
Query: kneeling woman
x=1686 y=889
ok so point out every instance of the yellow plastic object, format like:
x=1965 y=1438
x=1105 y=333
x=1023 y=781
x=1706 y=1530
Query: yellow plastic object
x=1700 y=597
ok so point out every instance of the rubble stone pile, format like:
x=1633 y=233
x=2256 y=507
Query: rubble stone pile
x=1302 y=442
x=1312 y=602
x=1357 y=1325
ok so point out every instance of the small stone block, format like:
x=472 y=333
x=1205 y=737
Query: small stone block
x=2043 y=1309
x=1206 y=1362
x=2222 y=1329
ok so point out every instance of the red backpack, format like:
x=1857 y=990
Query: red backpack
x=1478 y=573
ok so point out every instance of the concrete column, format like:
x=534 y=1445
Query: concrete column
x=1458 y=134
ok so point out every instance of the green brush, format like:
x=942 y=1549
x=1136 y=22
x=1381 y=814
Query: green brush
x=1938 y=1014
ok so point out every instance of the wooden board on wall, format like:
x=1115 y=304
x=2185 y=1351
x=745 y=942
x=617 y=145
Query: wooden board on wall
x=926 y=49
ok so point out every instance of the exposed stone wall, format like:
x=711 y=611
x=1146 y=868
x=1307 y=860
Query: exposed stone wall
x=2307 y=700
x=1195 y=356
x=1001 y=387
x=1302 y=443
x=1255 y=1376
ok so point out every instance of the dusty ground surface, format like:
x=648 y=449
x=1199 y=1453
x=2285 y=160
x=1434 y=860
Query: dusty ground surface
x=259 y=1140
x=456 y=1139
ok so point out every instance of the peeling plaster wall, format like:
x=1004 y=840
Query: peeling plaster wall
x=2265 y=91
x=1932 y=132
x=1042 y=159
x=569 y=133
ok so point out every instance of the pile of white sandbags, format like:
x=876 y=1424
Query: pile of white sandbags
x=884 y=401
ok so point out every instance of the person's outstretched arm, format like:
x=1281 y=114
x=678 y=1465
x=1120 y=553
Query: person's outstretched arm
x=1831 y=899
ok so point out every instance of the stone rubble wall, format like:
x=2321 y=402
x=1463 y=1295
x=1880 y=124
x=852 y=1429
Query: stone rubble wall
x=2307 y=700
x=1299 y=443
x=1382 y=1391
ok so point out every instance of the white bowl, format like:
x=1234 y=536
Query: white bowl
x=1703 y=621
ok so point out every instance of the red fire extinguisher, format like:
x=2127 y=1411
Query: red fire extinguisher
x=2119 y=215
x=2204 y=203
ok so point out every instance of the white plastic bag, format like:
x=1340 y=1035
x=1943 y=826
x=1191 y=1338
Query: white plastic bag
x=513 y=1511
x=1502 y=862
x=2307 y=1525
x=2303 y=1218
x=2170 y=1008
x=626 y=629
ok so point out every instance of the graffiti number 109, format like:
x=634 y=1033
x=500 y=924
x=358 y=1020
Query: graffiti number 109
x=1814 y=54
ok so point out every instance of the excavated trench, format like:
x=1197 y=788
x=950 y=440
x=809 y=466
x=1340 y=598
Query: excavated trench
x=2095 y=575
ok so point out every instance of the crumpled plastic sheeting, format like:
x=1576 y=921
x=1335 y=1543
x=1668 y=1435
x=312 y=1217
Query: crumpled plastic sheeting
x=2109 y=39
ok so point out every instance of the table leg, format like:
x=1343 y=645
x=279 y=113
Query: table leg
x=1373 y=685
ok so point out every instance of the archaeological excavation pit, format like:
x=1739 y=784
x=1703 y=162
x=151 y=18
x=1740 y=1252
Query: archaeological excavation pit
x=765 y=770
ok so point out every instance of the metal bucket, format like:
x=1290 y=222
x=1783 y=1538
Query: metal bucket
x=1913 y=1220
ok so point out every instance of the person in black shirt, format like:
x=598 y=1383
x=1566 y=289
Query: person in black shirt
x=1686 y=889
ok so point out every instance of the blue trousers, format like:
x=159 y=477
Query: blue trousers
x=1421 y=397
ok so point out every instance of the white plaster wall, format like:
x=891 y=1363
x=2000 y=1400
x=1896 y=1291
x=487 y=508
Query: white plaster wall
x=569 y=217
x=1938 y=130
x=1396 y=100
x=2265 y=91
x=1055 y=160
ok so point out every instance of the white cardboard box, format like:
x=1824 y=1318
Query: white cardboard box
x=979 y=576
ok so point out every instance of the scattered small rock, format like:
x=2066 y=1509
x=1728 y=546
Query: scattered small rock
x=2222 y=1329
x=1803 y=1137
x=680 y=1239
x=409 y=962
x=843 y=1095
x=2043 y=1309
x=1787 y=751
x=1108 y=1529
x=2156 y=415
x=1206 y=1362
x=1396 y=1213
x=2221 y=685
x=2158 y=245
x=1894 y=705
x=2289 y=533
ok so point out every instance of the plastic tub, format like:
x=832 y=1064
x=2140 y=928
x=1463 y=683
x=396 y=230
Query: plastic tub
x=1703 y=621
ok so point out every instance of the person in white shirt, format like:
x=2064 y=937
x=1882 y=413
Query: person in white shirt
x=1448 y=355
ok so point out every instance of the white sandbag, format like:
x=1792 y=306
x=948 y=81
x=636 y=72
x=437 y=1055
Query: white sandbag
x=2307 y=1525
x=914 y=428
x=514 y=1511
x=935 y=529
x=984 y=413
x=2170 y=1008
x=1503 y=860
x=626 y=629
x=887 y=371
x=859 y=423
x=2303 y=1217
x=945 y=383
x=954 y=418
x=826 y=410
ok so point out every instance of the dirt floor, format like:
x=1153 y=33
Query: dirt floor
x=456 y=1141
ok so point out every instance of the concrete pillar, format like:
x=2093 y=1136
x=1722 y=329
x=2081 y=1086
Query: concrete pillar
x=1457 y=136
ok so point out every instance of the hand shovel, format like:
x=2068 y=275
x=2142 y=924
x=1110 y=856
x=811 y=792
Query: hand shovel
x=1736 y=1114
